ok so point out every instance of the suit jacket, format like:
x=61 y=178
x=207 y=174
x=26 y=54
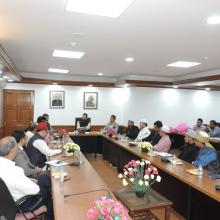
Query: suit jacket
x=23 y=161
x=132 y=132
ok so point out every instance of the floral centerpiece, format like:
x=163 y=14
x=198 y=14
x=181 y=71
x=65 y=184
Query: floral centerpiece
x=145 y=146
x=107 y=209
x=70 y=148
x=142 y=174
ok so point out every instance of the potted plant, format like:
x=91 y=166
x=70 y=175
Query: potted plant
x=145 y=146
x=141 y=174
x=70 y=148
x=107 y=209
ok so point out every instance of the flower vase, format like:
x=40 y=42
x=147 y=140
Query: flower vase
x=144 y=149
x=140 y=194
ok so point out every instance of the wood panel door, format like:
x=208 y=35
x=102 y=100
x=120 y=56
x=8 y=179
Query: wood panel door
x=18 y=109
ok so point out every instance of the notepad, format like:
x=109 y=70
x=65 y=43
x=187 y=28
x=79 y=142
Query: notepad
x=56 y=163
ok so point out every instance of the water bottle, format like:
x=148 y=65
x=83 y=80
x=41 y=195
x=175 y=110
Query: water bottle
x=61 y=173
x=200 y=170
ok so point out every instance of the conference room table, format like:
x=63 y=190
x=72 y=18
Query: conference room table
x=194 y=197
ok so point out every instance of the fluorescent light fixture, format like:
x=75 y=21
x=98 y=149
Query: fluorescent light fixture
x=129 y=59
x=100 y=74
x=107 y=8
x=175 y=87
x=10 y=80
x=207 y=89
x=73 y=44
x=183 y=64
x=213 y=20
x=55 y=83
x=90 y=85
x=5 y=77
x=54 y=70
x=68 y=54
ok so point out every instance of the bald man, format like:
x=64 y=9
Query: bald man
x=18 y=184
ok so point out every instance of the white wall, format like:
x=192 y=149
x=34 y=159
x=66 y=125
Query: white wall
x=110 y=101
x=172 y=106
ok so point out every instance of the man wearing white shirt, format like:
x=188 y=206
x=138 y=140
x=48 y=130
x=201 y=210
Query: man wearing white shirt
x=37 y=149
x=17 y=183
x=144 y=131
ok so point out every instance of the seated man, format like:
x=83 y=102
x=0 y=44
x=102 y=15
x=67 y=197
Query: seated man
x=154 y=136
x=37 y=149
x=214 y=131
x=31 y=130
x=46 y=116
x=207 y=153
x=132 y=130
x=112 y=126
x=164 y=143
x=21 y=158
x=199 y=126
x=144 y=131
x=189 y=151
x=84 y=123
x=18 y=184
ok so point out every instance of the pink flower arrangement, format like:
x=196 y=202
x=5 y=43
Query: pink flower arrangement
x=62 y=132
x=107 y=209
x=141 y=173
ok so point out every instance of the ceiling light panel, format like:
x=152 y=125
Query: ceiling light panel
x=54 y=70
x=107 y=8
x=68 y=54
x=183 y=64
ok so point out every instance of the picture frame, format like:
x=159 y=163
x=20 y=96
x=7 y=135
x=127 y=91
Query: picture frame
x=90 y=100
x=57 y=99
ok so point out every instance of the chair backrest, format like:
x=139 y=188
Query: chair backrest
x=77 y=119
x=7 y=204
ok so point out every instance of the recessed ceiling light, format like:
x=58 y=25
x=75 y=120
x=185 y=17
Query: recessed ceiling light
x=10 y=80
x=129 y=59
x=90 y=85
x=107 y=8
x=183 y=64
x=207 y=89
x=213 y=20
x=68 y=54
x=77 y=34
x=5 y=77
x=54 y=70
x=73 y=44
x=55 y=83
x=100 y=74
x=175 y=87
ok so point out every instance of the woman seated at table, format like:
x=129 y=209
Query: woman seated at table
x=207 y=153
x=164 y=143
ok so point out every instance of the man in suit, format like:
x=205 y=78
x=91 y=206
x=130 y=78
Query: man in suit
x=132 y=130
x=84 y=123
x=21 y=158
x=154 y=136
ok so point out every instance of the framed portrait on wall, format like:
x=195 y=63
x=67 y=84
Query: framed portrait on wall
x=57 y=99
x=90 y=100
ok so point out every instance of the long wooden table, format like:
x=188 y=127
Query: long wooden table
x=195 y=198
x=83 y=179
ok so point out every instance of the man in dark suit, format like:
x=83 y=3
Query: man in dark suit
x=132 y=130
x=154 y=136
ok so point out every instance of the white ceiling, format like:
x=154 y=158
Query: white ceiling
x=154 y=32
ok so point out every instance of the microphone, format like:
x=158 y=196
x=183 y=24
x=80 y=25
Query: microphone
x=87 y=192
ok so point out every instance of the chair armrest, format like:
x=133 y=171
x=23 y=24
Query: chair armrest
x=38 y=199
